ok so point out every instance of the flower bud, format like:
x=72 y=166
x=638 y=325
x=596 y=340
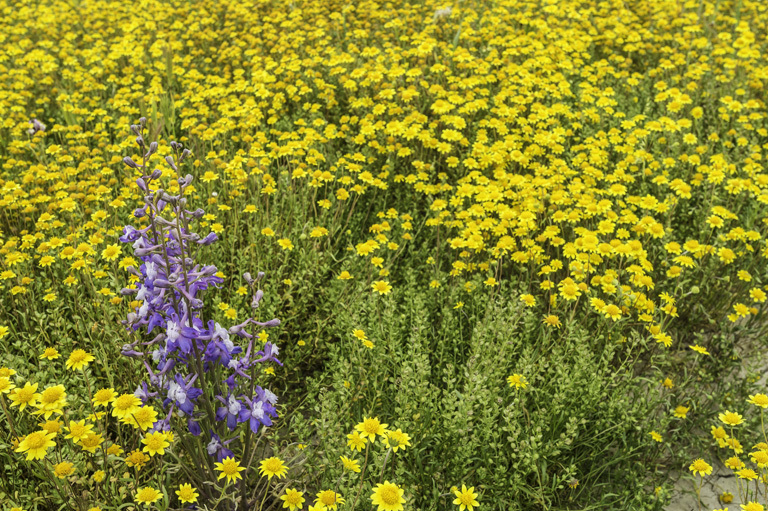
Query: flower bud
x=152 y=150
x=257 y=298
x=169 y=160
x=211 y=238
x=128 y=161
x=156 y=173
x=143 y=121
x=186 y=153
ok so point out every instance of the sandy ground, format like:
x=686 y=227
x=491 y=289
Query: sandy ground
x=721 y=480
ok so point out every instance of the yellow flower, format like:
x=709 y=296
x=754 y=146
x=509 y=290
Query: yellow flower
x=78 y=430
x=466 y=498
x=292 y=499
x=52 y=400
x=91 y=442
x=747 y=473
x=681 y=411
x=349 y=464
x=272 y=467
x=719 y=434
x=111 y=253
x=731 y=418
x=397 y=440
x=36 y=444
x=79 y=359
x=760 y=400
x=187 y=494
x=329 y=499
x=345 y=275
x=63 y=470
x=518 y=381
x=50 y=354
x=388 y=497
x=103 y=397
x=699 y=349
x=700 y=467
x=137 y=459
x=355 y=441
x=125 y=405
x=23 y=396
x=5 y=385
x=155 y=443
x=656 y=436
x=147 y=496
x=552 y=321
x=370 y=427
x=382 y=287
x=285 y=244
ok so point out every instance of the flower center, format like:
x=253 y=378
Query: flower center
x=390 y=495
x=35 y=440
x=50 y=396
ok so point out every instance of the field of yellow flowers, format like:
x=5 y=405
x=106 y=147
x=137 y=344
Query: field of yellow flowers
x=317 y=255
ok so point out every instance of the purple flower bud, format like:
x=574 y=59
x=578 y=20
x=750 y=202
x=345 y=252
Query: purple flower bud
x=132 y=353
x=269 y=324
x=128 y=161
x=247 y=277
x=169 y=160
x=143 y=121
x=136 y=129
x=260 y=276
x=208 y=239
x=140 y=141
x=156 y=173
x=139 y=212
x=184 y=155
x=256 y=299
x=152 y=150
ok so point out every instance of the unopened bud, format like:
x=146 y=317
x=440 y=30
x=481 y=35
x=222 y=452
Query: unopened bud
x=152 y=150
x=128 y=161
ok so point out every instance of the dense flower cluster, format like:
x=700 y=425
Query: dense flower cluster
x=600 y=165
x=184 y=348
